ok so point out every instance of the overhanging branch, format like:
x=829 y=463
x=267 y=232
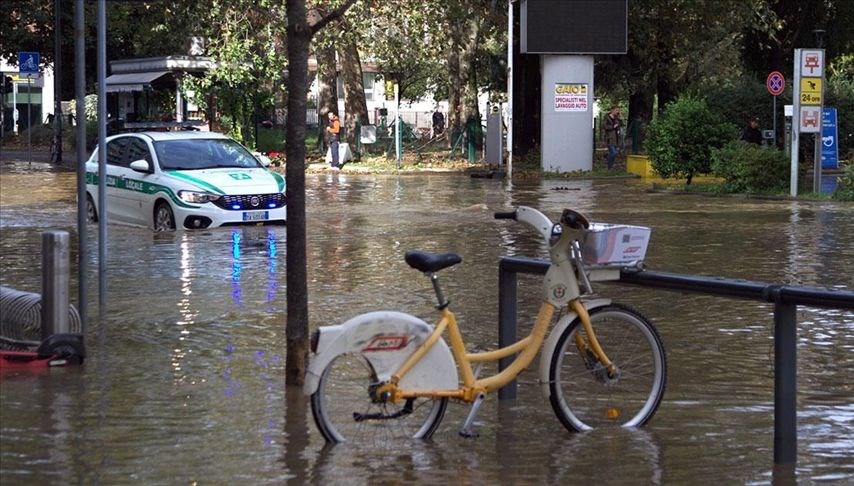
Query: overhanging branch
x=333 y=15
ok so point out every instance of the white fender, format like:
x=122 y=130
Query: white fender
x=551 y=342
x=386 y=339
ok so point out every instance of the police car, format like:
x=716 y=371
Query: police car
x=190 y=180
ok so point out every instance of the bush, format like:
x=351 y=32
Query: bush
x=681 y=140
x=845 y=185
x=747 y=167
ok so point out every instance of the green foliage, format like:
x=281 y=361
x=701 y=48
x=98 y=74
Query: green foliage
x=747 y=167
x=681 y=140
x=90 y=107
x=738 y=99
x=845 y=185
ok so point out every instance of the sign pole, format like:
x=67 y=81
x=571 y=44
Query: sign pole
x=774 y=118
x=796 y=125
x=15 y=114
x=816 y=185
x=29 y=123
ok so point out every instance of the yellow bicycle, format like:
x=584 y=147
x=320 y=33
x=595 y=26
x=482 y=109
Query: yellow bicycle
x=389 y=374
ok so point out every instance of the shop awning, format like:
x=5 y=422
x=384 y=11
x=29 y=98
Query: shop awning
x=132 y=81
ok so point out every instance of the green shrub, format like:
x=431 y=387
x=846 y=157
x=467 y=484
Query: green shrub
x=747 y=167
x=681 y=140
x=845 y=185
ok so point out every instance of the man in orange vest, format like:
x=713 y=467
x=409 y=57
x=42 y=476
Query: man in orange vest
x=332 y=129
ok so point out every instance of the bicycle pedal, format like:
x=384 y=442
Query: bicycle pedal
x=469 y=434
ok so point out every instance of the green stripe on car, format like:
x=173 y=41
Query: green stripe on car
x=195 y=180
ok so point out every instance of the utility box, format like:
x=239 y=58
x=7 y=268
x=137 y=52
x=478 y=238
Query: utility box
x=494 y=137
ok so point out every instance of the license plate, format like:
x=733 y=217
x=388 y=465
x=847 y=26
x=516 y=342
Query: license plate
x=255 y=216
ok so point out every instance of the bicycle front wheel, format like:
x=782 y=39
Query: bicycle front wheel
x=584 y=395
x=345 y=411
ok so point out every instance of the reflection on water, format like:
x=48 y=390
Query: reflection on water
x=185 y=380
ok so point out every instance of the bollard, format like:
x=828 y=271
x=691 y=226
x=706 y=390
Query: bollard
x=55 y=273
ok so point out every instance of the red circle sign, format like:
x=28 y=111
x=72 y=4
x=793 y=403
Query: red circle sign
x=776 y=83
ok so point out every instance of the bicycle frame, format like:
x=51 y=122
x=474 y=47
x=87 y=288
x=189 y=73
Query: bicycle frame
x=525 y=349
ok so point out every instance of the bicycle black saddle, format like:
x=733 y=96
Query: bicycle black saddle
x=431 y=262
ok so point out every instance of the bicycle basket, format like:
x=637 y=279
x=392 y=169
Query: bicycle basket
x=614 y=244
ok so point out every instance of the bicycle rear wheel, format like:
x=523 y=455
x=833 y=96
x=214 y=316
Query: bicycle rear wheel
x=345 y=412
x=584 y=396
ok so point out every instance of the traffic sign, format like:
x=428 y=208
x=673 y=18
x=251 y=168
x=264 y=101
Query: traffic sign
x=829 y=145
x=775 y=83
x=812 y=63
x=809 y=119
x=810 y=91
x=28 y=62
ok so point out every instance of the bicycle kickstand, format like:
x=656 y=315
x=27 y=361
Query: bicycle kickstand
x=467 y=431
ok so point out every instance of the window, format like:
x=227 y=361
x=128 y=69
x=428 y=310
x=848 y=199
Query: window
x=138 y=150
x=116 y=151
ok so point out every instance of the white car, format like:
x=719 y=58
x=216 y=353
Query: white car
x=191 y=180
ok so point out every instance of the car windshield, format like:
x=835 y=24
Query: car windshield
x=203 y=153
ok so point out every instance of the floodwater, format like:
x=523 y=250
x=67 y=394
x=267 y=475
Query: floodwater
x=184 y=383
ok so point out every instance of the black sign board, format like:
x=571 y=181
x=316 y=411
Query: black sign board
x=574 y=26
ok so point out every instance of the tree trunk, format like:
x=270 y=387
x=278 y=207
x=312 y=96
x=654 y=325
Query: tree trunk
x=296 y=328
x=355 y=106
x=468 y=77
x=454 y=80
x=299 y=38
x=327 y=92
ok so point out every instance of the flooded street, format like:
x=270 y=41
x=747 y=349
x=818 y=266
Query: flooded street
x=184 y=380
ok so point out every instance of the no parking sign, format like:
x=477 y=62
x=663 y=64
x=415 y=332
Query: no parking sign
x=775 y=83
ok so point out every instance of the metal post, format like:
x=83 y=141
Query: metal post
x=774 y=120
x=29 y=121
x=507 y=291
x=57 y=82
x=785 y=383
x=510 y=22
x=55 y=271
x=102 y=154
x=80 y=114
x=796 y=125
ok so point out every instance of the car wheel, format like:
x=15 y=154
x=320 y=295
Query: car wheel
x=164 y=219
x=91 y=211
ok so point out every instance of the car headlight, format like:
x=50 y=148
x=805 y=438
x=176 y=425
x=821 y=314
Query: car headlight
x=196 y=197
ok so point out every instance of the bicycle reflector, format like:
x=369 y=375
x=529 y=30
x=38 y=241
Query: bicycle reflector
x=612 y=413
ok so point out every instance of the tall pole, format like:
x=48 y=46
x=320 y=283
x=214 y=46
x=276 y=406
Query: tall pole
x=80 y=145
x=29 y=120
x=57 y=78
x=102 y=155
x=398 y=125
x=510 y=89
x=796 y=125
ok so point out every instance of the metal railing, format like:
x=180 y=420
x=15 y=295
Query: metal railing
x=785 y=298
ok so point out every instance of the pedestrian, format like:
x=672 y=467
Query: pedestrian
x=332 y=130
x=438 y=123
x=613 y=125
x=751 y=133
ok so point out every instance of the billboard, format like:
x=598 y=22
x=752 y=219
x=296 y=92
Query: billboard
x=574 y=26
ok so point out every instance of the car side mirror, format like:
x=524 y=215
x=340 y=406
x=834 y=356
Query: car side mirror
x=141 y=165
x=265 y=161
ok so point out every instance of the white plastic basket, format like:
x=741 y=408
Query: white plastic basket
x=614 y=244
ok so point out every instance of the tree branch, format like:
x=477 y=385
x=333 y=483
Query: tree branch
x=333 y=15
